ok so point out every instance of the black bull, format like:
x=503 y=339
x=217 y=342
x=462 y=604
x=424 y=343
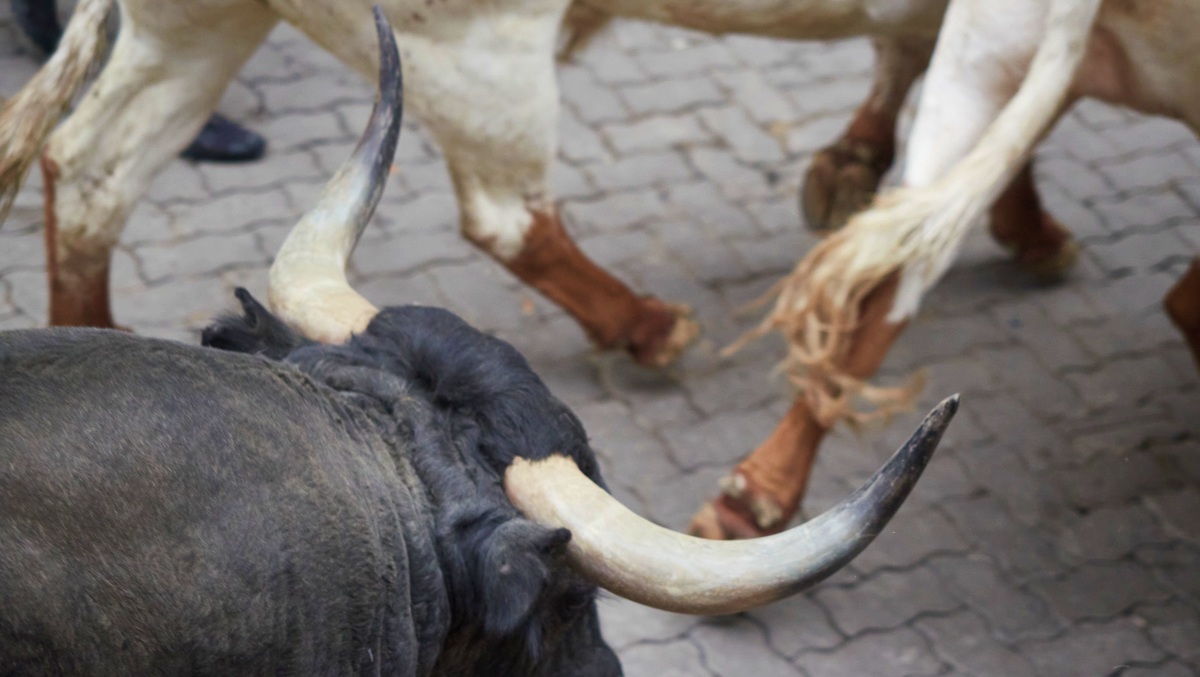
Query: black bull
x=337 y=510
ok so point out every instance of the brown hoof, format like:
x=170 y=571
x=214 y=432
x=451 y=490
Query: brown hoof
x=841 y=180
x=1048 y=255
x=670 y=333
x=1054 y=266
x=740 y=512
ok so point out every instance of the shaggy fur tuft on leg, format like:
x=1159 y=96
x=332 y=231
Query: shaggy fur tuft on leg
x=29 y=117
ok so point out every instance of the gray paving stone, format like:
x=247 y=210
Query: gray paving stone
x=640 y=171
x=1029 y=324
x=194 y=257
x=626 y=624
x=680 y=658
x=590 y=100
x=613 y=68
x=1011 y=612
x=748 y=142
x=885 y=600
x=964 y=641
x=1100 y=591
x=612 y=212
x=719 y=441
x=576 y=141
x=1167 y=669
x=750 y=91
x=889 y=654
x=711 y=212
x=1177 y=565
x=1020 y=370
x=654 y=133
x=1021 y=553
x=481 y=293
x=701 y=57
x=797 y=624
x=734 y=178
x=1179 y=511
x=272 y=170
x=912 y=537
x=302 y=130
x=1173 y=627
x=403 y=253
x=724 y=642
x=1114 y=478
x=674 y=95
x=1092 y=649
x=1108 y=533
x=1031 y=499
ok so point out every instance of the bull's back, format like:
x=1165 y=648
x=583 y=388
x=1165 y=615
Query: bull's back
x=181 y=510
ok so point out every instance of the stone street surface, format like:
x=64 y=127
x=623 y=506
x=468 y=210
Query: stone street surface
x=1056 y=532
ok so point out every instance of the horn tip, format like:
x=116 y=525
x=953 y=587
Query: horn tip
x=941 y=415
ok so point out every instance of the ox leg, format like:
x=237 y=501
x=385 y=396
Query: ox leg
x=495 y=116
x=1182 y=304
x=843 y=178
x=763 y=492
x=1038 y=242
x=167 y=72
x=980 y=47
x=507 y=210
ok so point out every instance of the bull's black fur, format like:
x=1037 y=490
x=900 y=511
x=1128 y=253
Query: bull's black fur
x=307 y=509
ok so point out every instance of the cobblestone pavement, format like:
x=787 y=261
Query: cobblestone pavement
x=1057 y=531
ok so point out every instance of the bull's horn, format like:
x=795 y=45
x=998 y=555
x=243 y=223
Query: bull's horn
x=308 y=286
x=646 y=563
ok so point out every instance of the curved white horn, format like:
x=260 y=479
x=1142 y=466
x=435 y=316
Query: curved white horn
x=308 y=286
x=641 y=561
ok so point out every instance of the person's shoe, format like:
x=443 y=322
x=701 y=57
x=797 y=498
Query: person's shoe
x=223 y=140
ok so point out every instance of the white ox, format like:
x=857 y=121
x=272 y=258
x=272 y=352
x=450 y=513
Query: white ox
x=481 y=77
x=1001 y=75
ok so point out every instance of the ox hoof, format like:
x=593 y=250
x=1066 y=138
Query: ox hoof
x=841 y=180
x=663 y=348
x=1052 y=267
x=739 y=513
x=1047 y=256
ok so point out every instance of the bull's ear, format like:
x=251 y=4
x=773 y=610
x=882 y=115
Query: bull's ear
x=516 y=567
x=256 y=331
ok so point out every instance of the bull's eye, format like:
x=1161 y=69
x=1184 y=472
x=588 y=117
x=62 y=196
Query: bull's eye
x=574 y=600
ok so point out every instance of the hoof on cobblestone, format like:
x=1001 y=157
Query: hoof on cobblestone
x=660 y=350
x=1054 y=267
x=739 y=512
x=841 y=180
x=1047 y=257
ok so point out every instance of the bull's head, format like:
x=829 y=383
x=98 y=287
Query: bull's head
x=532 y=577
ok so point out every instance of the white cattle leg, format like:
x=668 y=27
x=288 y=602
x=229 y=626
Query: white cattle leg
x=168 y=69
x=850 y=298
x=484 y=86
x=843 y=177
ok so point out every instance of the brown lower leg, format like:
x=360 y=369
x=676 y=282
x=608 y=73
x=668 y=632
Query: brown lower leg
x=766 y=488
x=1019 y=223
x=611 y=314
x=1182 y=304
x=77 y=276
